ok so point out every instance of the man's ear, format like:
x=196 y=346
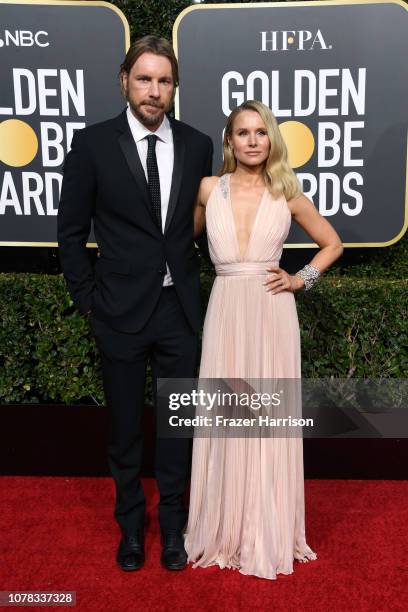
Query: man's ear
x=124 y=83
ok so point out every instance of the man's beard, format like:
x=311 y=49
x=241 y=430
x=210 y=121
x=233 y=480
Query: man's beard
x=146 y=119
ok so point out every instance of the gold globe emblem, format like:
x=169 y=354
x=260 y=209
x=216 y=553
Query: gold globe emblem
x=299 y=141
x=18 y=143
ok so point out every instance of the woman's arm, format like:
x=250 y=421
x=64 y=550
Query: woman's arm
x=321 y=231
x=206 y=186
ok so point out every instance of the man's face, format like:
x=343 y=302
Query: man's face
x=149 y=89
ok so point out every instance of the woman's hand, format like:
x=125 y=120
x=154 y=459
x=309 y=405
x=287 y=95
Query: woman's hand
x=282 y=281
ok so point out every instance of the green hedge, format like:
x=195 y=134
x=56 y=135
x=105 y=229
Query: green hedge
x=379 y=262
x=157 y=16
x=350 y=327
x=46 y=351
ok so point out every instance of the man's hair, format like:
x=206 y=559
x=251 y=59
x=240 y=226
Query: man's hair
x=150 y=44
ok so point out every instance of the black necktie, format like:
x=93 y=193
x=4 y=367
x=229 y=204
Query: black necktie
x=153 y=177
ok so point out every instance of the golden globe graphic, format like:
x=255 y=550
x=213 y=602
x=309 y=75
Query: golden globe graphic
x=18 y=143
x=339 y=99
x=53 y=96
x=58 y=76
x=299 y=140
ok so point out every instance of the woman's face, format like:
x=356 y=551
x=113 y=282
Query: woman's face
x=249 y=139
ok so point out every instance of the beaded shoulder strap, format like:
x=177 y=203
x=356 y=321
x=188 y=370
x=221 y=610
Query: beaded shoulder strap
x=224 y=185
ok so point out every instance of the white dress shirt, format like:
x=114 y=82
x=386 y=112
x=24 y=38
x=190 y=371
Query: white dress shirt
x=165 y=161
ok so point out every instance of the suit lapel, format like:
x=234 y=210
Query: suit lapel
x=129 y=150
x=179 y=151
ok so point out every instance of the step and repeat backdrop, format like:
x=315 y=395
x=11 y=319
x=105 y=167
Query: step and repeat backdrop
x=334 y=74
x=59 y=65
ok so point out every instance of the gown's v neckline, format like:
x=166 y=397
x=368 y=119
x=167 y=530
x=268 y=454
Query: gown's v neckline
x=234 y=227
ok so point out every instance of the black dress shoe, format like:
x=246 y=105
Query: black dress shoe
x=130 y=555
x=174 y=556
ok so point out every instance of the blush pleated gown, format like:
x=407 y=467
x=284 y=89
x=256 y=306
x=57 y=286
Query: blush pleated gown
x=247 y=508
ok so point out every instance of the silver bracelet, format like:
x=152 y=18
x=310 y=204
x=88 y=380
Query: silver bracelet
x=309 y=274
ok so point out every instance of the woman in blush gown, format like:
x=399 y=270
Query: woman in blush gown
x=247 y=494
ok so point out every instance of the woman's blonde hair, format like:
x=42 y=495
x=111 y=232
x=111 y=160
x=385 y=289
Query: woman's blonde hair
x=278 y=175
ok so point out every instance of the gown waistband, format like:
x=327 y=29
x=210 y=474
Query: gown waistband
x=248 y=268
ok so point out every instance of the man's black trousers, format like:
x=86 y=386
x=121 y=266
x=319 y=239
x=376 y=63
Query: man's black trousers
x=171 y=345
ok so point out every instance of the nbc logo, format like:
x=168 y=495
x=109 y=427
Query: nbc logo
x=24 y=38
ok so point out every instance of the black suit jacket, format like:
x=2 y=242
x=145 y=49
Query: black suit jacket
x=104 y=181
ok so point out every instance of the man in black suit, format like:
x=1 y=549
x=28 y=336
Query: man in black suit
x=136 y=176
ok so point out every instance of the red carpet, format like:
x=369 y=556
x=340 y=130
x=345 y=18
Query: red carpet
x=59 y=534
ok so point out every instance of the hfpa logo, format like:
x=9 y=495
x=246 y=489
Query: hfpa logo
x=24 y=38
x=300 y=40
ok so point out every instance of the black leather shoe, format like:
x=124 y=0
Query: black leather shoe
x=130 y=555
x=174 y=556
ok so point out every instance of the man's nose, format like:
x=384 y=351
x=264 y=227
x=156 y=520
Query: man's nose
x=154 y=90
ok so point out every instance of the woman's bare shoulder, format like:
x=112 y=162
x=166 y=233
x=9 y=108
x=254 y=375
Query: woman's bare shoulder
x=298 y=202
x=206 y=186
